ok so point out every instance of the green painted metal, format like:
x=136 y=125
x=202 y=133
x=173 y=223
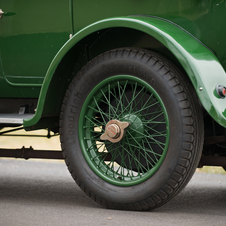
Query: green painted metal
x=34 y=39
x=31 y=34
x=143 y=148
x=204 y=19
x=201 y=65
x=136 y=128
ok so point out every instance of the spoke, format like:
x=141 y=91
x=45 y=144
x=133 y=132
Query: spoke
x=89 y=148
x=95 y=138
x=135 y=159
x=145 y=153
x=144 y=135
x=101 y=145
x=151 y=113
x=122 y=164
x=92 y=138
x=99 y=156
x=122 y=161
x=133 y=97
x=130 y=170
x=145 y=108
x=159 y=135
x=111 y=163
x=151 y=151
x=111 y=107
x=130 y=162
x=160 y=122
x=142 y=100
x=97 y=135
x=99 y=132
x=146 y=150
x=85 y=127
x=156 y=132
x=154 y=122
x=130 y=103
x=150 y=120
x=139 y=145
x=121 y=95
x=157 y=142
x=156 y=111
x=94 y=123
x=114 y=156
x=116 y=101
x=99 y=110
x=107 y=100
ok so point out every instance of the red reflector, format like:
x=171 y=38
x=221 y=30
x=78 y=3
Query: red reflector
x=224 y=91
x=221 y=91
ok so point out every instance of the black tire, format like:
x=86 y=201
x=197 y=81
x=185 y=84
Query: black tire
x=185 y=122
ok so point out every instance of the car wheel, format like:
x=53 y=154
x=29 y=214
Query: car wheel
x=131 y=129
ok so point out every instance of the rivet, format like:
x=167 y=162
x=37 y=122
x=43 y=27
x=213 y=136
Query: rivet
x=200 y=88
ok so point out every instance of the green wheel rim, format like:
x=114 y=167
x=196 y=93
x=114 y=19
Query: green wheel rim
x=141 y=151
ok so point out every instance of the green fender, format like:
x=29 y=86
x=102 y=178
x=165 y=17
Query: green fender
x=201 y=65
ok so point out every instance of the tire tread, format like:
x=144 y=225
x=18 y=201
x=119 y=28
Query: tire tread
x=192 y=127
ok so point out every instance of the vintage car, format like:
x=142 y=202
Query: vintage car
x=135 y=89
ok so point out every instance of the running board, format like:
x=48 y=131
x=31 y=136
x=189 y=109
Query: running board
x=16 y=119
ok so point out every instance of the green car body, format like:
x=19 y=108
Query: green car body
x=34 y=41
x=43 y=45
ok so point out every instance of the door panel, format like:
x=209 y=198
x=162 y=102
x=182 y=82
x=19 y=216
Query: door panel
x=31 y=33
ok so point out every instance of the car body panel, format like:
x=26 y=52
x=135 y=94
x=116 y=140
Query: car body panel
x=203 y=19
x=201 y=65
x=33 y=43
x=29 y=40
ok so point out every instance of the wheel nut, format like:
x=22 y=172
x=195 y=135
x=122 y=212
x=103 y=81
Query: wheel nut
x=113 y=131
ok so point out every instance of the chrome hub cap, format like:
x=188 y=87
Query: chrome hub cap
x=114 y=131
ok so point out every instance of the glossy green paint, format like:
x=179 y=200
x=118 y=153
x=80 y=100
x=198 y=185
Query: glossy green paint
x=31 y=34
x=201 y=65
x=204 y=19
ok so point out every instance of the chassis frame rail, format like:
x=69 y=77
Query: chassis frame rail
x=28 y=153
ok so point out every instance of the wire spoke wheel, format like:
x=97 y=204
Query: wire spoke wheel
x=142 y=148
x=131 y=129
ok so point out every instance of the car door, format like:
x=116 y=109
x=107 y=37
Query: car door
x=31 y=33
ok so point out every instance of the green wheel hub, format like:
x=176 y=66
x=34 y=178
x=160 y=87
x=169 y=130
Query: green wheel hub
x=132 y=112
x=136 y=128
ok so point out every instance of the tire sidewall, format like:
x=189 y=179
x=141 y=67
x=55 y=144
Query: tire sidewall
x=86 y=80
